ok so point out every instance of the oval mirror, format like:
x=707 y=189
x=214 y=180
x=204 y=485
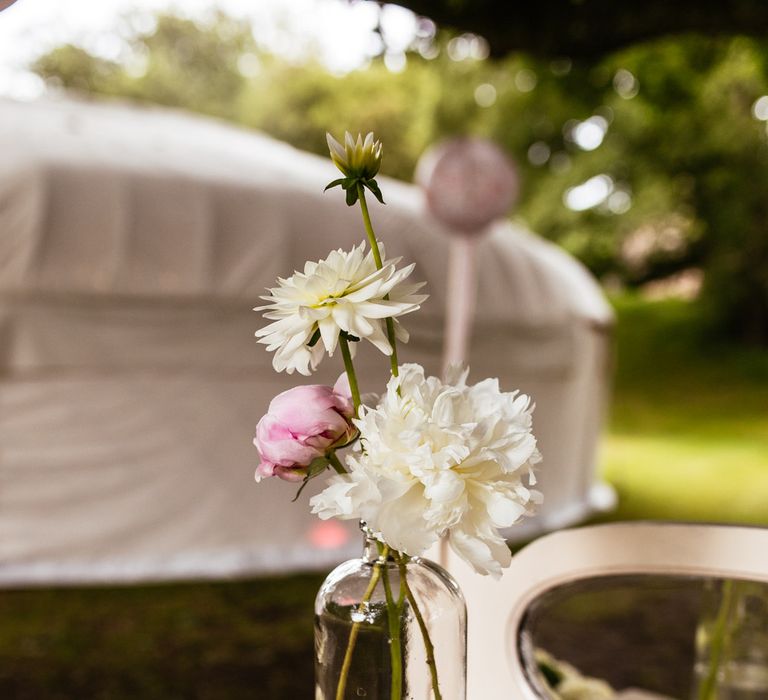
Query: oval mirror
x=654 y=637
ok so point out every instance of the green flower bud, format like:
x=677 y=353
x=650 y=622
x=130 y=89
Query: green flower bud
x=359 y=159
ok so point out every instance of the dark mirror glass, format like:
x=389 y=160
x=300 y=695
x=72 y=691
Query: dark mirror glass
x=648 y=637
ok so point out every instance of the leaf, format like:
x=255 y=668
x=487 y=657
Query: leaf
x=313 y=340
x=335 y=183
x=351 y=196
x=301 y=488
x=316 y=466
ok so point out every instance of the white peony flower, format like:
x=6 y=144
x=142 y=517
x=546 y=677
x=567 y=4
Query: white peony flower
x=345 y=292
x=440 y=459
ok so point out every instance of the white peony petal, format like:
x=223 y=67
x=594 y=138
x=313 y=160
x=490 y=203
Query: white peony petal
x=446 y=486
x=400 y=521
x=503 y=510
x=477 y=553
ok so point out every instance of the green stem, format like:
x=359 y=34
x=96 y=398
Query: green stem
x=717 y=643
x=369 y=227
x=395 y=649
x=336 y=463
x=347 y=663
x=350 y=368
x=377 y=259
x=430 y=649
x=401 y=597
x=392 y=341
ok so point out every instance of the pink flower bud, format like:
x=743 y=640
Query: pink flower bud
x=302 y=424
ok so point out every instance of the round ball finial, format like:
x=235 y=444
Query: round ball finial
x=468 y=182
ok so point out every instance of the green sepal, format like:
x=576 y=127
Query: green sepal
x=349 y=185
x=373 y=186
x=351 y=338
x=313 y=340
x=351 y=196
x=316 y=466
x=348 y=444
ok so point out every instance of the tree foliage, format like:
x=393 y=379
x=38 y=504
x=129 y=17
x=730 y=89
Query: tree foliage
x=590 y=29
x=679 y=154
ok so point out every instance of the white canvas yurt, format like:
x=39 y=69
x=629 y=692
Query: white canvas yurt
x=133 y=245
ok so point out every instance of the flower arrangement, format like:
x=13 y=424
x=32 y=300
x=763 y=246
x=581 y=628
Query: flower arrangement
x=432 y=458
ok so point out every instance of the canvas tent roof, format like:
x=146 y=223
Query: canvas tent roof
x=176 y=206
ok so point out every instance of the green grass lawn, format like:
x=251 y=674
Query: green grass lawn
x=688 y=439
x=208 y=641
x=688 y=434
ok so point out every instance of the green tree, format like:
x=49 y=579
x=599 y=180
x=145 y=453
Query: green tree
x=685 y=159
x=178 y=63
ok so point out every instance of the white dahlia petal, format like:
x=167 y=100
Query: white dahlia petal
x=379 y=338
x=329 y=332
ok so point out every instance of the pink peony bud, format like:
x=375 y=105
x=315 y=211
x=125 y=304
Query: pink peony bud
x=302 y=424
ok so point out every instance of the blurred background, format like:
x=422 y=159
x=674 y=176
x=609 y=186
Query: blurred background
x=641 y=138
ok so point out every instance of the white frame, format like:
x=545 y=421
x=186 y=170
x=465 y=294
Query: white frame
x=496 y=608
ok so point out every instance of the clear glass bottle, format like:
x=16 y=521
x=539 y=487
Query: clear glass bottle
x=732 y=642
x=368 y=634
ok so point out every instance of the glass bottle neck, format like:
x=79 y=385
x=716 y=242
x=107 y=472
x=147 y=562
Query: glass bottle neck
x=373 y=549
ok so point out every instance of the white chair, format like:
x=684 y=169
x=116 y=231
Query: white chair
x=496 y=609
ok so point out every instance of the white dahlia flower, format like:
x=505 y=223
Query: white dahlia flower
x=438 y=459
x=343 y=293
